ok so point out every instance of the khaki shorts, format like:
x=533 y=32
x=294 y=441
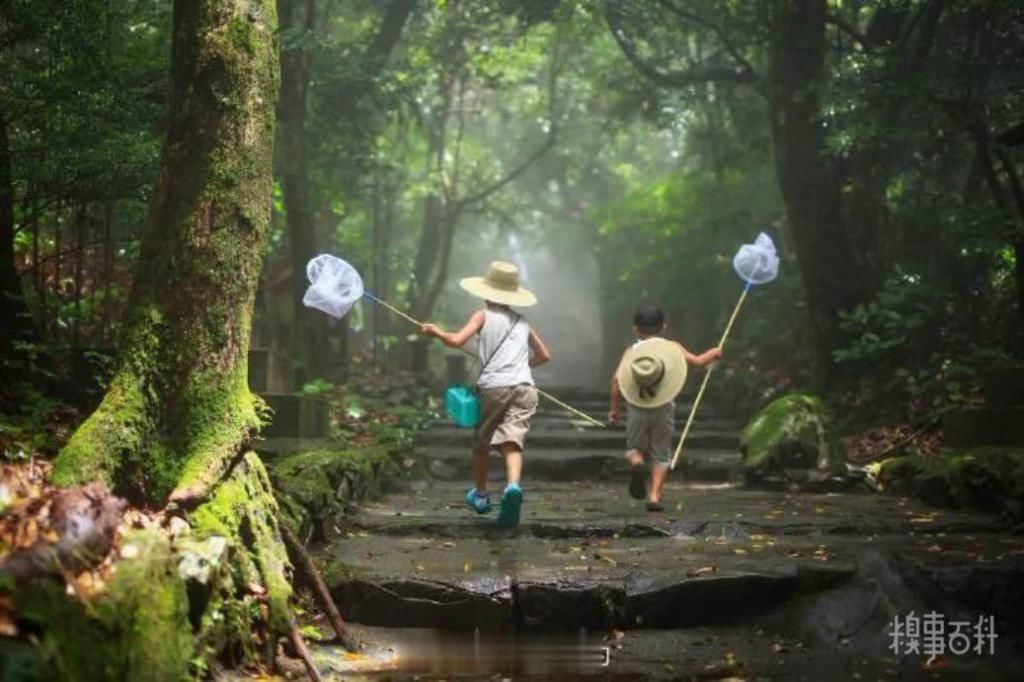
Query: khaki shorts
x=650 y=431
x=505 y=416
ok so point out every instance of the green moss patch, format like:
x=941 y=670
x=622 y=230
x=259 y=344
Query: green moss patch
x=315 y=487
x=986 y=479
x=137 y=628
x=792 y=432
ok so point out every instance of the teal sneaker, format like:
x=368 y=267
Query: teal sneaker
x=511 y=501
x=478 y=502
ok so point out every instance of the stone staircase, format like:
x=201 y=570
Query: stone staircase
x=726 y=582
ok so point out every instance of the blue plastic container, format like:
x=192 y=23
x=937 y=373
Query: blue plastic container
x=462 y=405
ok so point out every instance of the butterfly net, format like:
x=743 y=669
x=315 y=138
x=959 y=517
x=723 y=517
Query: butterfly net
x=757 y=263
x=334 y=285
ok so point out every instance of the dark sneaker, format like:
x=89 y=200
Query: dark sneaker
x=511 y=501
x=478 y=502
x=638 y=481
x=654 y=506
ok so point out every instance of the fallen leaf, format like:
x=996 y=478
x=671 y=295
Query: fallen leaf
x=702 y=570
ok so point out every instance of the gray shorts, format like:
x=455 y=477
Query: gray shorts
x=650 y=431
x=505 y=415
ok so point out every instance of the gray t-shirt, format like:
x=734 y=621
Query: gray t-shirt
x=510 y=363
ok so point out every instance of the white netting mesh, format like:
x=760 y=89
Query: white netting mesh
x=334 y=285
x=757 y=263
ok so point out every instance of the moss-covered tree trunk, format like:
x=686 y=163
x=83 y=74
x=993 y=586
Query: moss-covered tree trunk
x=178 y=410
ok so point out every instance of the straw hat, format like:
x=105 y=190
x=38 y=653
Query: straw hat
x=501 y=285
x=652 y=372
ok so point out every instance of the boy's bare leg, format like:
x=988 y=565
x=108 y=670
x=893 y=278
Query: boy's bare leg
x=480 y=468
x=637 y=485
x=659 y=472
x=513 y=462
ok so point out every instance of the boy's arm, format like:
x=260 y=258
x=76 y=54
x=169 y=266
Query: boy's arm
x=456 y=339
x=705 y=358
x=540 y=354
x=615 y=397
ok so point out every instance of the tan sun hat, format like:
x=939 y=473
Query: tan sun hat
x=501 y=285
x=652 y=372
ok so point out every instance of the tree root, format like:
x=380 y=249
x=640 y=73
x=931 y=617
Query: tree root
x=295 y=637
x=323 y=595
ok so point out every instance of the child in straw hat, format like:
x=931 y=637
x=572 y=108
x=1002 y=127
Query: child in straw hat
x=649 y=376
x=508 y=349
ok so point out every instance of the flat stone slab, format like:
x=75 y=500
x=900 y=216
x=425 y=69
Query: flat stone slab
x=586 y=555
x=600 y=508
x=759 y=650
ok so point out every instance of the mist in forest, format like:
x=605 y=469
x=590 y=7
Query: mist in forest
x=568 y=310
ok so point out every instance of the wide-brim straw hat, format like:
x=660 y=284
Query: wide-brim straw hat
x=652 y=372
x=500 y=285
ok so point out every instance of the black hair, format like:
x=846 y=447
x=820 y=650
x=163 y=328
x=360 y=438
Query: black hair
x=649 y=318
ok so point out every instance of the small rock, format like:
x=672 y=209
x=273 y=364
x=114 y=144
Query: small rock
x=178 y=526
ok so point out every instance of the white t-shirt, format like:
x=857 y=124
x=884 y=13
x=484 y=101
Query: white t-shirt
x=510 y=363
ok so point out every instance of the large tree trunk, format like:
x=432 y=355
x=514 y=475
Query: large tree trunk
x=807 y=178
x=178 y=410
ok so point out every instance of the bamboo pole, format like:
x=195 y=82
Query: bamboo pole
x=707 y=376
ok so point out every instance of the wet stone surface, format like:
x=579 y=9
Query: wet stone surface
x=727 y=582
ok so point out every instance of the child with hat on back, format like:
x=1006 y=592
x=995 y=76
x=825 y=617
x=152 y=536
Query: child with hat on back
x=650 y=375
x=508 y=349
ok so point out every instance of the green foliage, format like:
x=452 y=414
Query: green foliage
x=317 y=387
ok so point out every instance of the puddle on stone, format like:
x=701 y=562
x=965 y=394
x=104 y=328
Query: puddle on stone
x=447 y=652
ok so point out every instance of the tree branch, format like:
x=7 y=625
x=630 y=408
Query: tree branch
x=714 y=28
x=849 y=29
x=695 y=75
x=549 y=142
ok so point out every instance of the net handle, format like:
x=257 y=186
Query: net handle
x=707 y=376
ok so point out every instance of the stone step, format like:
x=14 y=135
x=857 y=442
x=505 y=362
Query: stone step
x=555 y=600
x=545 y=421
x=569 y=439
x=455 y=463
x=984 y=427
x=580 y=509
x=1004 y=387
x=800 y=646
x=296 y=416
x=588 y=556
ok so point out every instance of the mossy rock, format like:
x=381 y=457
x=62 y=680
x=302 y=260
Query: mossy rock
x=792 y=432
x=315 y=487
x=137 y=628
x=986 y=479
x=217 y=587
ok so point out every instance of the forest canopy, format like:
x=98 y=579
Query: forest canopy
x=637 y=144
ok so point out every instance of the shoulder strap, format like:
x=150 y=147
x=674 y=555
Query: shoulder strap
x=496 y=348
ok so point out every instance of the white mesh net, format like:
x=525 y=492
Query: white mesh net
x=334 y=285
x=757 y=263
